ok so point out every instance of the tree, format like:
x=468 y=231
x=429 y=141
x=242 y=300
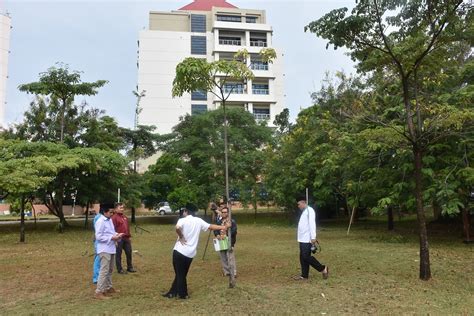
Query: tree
x=401 y=38
x=63 y=86
x=53 y=117
x=195 y=74
x=192 y=164
x=31 y=166
x=140 y=143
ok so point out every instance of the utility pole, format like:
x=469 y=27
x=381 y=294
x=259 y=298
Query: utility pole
x=139 y=96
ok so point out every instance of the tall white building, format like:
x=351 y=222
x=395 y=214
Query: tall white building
x=5 y=27
x=211 y=29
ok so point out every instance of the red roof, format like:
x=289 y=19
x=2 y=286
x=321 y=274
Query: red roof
x=206 y=5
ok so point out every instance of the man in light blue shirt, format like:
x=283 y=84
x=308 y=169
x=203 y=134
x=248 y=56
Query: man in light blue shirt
x=96 y=268
x=306 y=239
x=105 y=237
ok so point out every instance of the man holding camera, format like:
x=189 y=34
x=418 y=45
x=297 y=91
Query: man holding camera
x=307 y=240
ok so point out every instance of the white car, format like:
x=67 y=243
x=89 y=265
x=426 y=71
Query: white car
x=163 y=208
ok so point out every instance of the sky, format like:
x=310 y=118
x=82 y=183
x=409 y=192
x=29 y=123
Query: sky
x=100 y=37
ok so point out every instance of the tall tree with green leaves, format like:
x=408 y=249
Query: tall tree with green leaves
x=402 y=38
x=62 y=86
x=54 y=117
x=197 y=74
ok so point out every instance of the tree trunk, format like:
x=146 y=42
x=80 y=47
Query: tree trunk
x=22 y=220
x=133 y=215
x=466 y=221
x=255 y=206
x=436 y=210
x=60 y=198
x=390 y=217
x=86 y=222
x=34 y=211
x=425 y=271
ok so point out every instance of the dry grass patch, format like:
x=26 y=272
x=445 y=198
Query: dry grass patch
x=372 y=272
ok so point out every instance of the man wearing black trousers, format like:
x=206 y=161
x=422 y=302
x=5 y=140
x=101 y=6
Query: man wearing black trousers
x=188 y=229
x=306 y=239
x=122 y=225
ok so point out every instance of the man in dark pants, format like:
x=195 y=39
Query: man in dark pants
x=121 y=225
x=188 y=229
x=306 y=239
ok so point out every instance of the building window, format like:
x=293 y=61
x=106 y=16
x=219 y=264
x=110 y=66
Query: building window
x=251 y=19
x=198 y=109
x=261 y=113
x=234 y=88
x=258 y=42
x=198 y=45
x=230 y=40
x=229 y=18
x=199 y=95
x=258 y=65
x=198 y=23
x=260 y=89
x=258 y=39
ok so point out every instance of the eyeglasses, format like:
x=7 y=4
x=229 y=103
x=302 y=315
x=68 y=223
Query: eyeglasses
x=224 y=212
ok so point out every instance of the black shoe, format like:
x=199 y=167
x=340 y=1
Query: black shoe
x=168 y=295
x=131 y=270
x=122 y=272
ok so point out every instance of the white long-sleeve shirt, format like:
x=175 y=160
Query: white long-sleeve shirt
x=104 y=231
x=307 y=225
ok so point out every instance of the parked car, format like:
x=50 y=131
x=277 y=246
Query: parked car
x=163 y=208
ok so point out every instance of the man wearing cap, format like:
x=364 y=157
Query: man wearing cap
x=187 y=229
x=306 y=239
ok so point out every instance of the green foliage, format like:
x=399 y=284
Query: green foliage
x=61 y=83
x=191 y=168
x=86 y=162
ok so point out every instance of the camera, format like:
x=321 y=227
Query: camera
x=313 y=248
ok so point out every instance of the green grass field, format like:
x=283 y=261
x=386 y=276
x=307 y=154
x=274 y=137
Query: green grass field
x=371 y=272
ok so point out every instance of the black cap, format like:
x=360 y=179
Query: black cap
x=301 y=198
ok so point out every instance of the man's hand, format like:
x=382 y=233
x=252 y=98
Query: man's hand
x=182 y=241
x=117 y=236
x=313 y=241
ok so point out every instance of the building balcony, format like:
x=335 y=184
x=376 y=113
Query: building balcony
x=235 y=90
x=225 y=25
x=230 y=42
x=252 y=98
x=258 y=65
x=258 y=43
x=260 y=91
x=261 y=117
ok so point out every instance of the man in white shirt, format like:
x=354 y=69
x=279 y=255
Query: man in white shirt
x=188 y=229
x=106 y=237
x=306 y=239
